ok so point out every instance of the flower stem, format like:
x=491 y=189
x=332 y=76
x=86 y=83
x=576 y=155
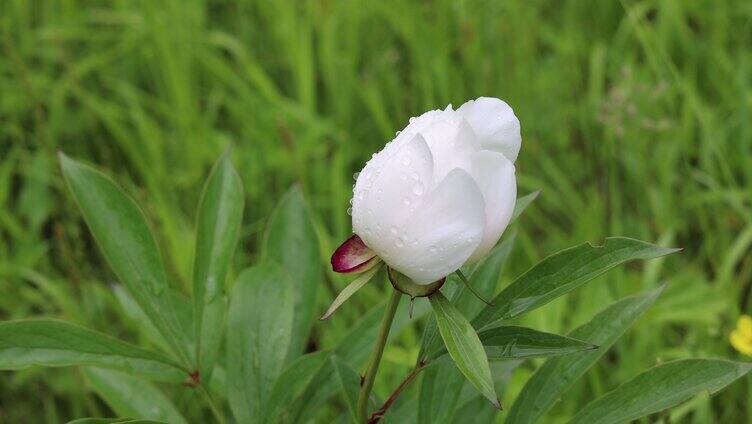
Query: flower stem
x=378 y=350
x=376 y=416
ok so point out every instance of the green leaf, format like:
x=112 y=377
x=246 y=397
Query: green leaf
x=292 y=382
x=561 y=273
x=512 y=342
x=557 y=375
x=464 y=346
x=348 y=291
x=220 y=213
x=132 y=397
x=182 y=305
x=53 y=343
x=661 y=387
x=484 y=277
x=442 y=382
x=291 y=241
x=349 y=383
x=440 y=391
x=121 y=231
x=523 y=202
x=259 y=330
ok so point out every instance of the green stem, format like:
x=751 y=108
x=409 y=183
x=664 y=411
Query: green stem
x=378 y=350
x=218 y=415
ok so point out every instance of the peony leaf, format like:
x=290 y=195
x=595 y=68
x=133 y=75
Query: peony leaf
x=291 y=241
x=292 y=382
x=464 y=346
x=220 y=213
x=259 y=329
x=348 y=291
x=349 y=383
x=523 y=202
x=513 y=342
x=121 y=231
x=129 y=396
x=661 y=387
x=561 y=273
x=484 y=278
x=557 y=375
x=52 y=343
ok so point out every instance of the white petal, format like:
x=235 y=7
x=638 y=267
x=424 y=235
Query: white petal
x=390 y=187
x=494 y=174
x=452 y=142
x=442 y=233
x=495 y=125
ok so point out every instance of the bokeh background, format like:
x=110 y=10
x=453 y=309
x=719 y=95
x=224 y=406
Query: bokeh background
x=636 y=121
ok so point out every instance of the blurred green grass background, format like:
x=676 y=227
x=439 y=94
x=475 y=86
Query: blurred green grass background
x=635 y=119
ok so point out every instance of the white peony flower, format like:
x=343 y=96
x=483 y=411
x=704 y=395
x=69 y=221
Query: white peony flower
x=437 y=196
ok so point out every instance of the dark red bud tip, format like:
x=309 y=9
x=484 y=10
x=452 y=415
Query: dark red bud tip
x=353 y=256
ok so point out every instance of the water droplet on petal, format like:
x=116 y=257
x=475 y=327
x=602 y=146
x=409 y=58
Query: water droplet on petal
x=406 y=201
x=418 y=188
x=399 y=242
x=415 y=176
x=393 y=230
x=355 y=175
x=406 y=161
x=432 y=249
x=349 y=211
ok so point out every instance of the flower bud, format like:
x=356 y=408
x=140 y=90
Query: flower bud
x=441 y=193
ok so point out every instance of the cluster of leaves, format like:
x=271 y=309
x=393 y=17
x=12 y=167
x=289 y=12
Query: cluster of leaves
x=266 y=315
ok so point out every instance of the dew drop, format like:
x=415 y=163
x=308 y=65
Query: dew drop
x=393 y=230
x=399 y=243
x=406 y=161
x=415 y=176
x=432 y=249
x=418 y=188
x=356 y=175
x=349 y=211
x=406 y=201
